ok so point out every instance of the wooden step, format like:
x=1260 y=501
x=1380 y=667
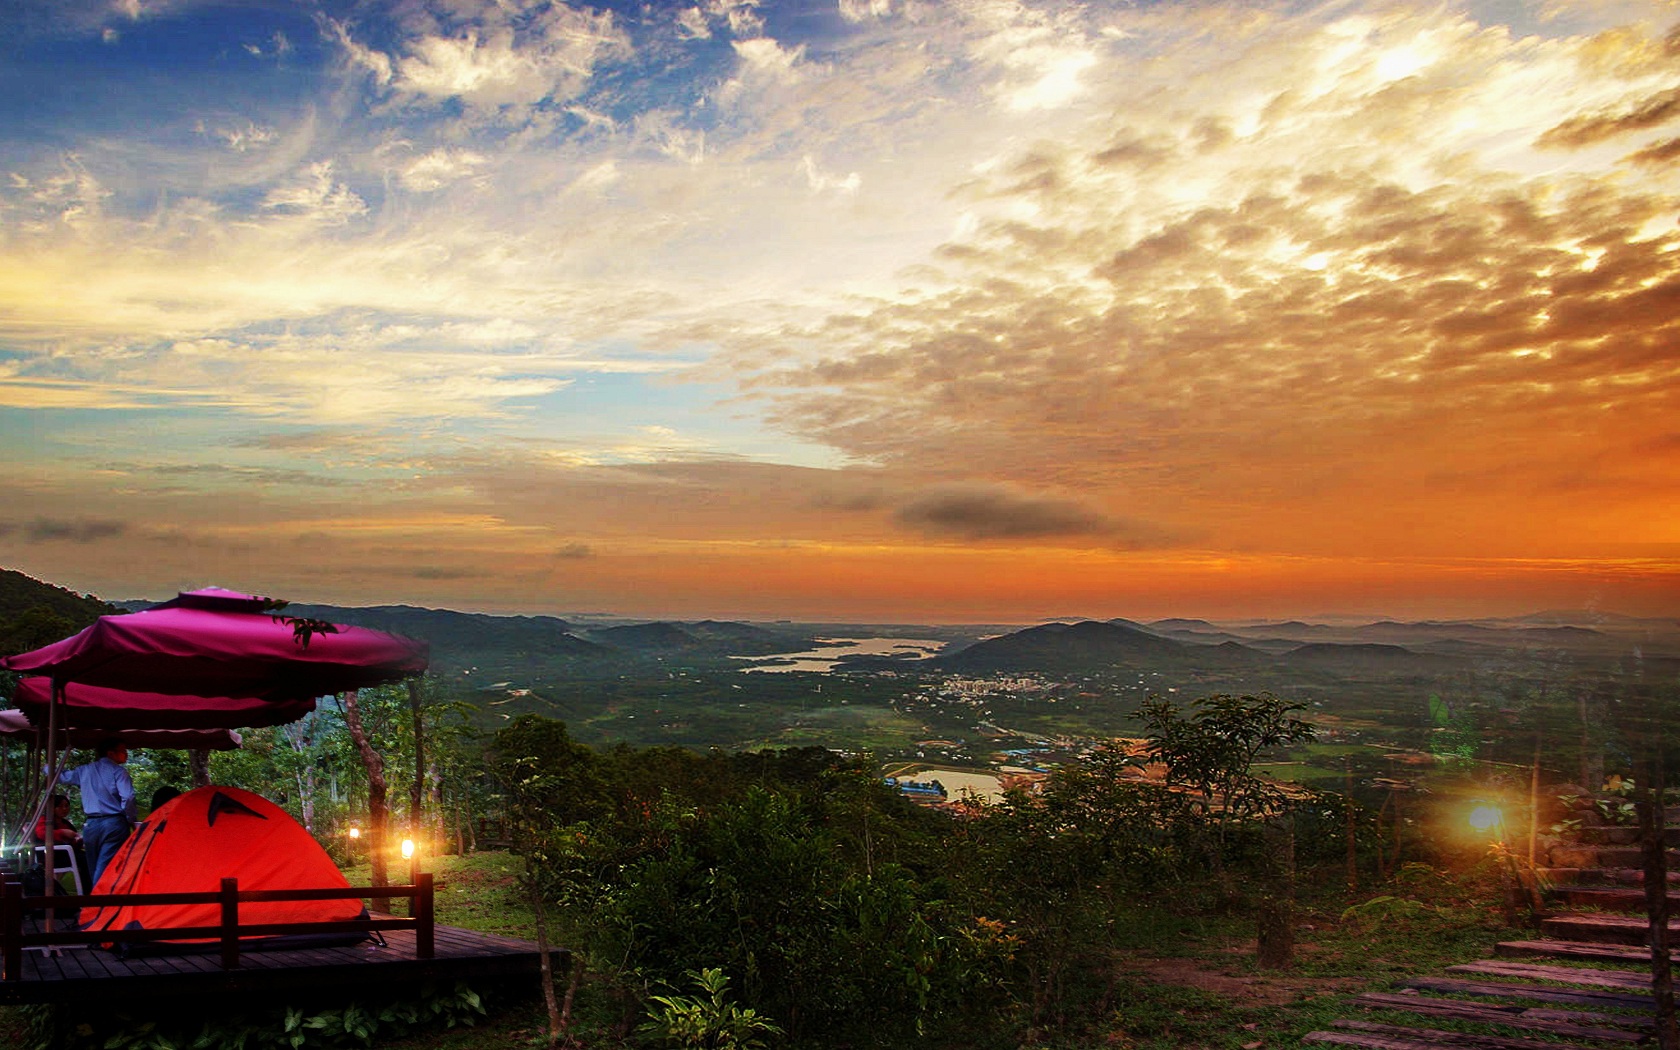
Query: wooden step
x=1630 y=857
x=1601 y=929
x=1562 y=1023
x=1525 y=990
x=1622 y=835
x=1631 y=980
x=1437 y=1037
x=1585 y=951
x=1597 y=876
x=1611 y=898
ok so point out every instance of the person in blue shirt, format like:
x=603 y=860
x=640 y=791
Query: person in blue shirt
x=108 y=801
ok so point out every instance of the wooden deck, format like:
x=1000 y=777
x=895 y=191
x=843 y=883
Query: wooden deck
x=405 y=950
x=86 y=974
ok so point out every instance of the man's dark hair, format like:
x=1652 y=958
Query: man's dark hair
x=108 y=745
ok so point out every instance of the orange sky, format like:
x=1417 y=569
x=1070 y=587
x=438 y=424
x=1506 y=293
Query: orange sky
x=865 y=311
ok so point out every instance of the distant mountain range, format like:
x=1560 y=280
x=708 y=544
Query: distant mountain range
x=1384 y=648
x=517 y=646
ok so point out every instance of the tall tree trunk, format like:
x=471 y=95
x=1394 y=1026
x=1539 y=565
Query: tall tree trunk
x=555 y=1024
x=1276 y=949
x=416 y=791
x=199 y=759
x=378 y=813
x=299 y=736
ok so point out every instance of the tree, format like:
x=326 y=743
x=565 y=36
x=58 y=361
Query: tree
x=550 y=789
x=1210 y=753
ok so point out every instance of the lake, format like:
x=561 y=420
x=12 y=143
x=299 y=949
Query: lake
x=829 y=651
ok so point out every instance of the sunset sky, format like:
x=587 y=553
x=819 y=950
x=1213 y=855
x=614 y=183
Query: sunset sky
x=852 y=309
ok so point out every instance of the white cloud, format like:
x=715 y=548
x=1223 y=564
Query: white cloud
x=821 y=181
x=741 y=16
x=865 y=10
x=245 y=137
x=551 y=55
x=762 y=64
x=315 y=198
x=441 y=167
x=691 y=24
x=375 y=62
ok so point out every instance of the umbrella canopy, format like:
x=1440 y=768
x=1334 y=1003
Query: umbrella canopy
x=15 y=723
x=216 y=643
x=105 y=711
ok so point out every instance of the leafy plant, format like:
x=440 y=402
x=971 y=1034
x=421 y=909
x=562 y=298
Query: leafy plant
x=292 y=1027
x=1388 y=906
x=708 y=1021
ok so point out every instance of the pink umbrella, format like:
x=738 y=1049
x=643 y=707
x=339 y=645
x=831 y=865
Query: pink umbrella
x=15 y=723
x=94 y=708
x=219 y=644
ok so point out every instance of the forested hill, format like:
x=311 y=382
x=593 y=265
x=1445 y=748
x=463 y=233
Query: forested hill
x=34 y=613
x=1093 y=645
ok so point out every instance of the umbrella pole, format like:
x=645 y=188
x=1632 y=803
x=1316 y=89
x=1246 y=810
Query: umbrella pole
x=50 y=839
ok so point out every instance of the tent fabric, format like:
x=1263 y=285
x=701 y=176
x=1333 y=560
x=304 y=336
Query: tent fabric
x=194 y=841
x=111 y=710
x=218 y=643
x=15 y=723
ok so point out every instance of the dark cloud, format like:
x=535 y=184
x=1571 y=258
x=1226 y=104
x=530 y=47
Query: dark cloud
x=438 y=573
x=977 y=513
x=223 y=473
x=574 y=551
x=59 y=530
x=1664 y=152
x=1589 y=128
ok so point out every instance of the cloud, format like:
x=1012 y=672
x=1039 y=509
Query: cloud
x=509 y=57
x=439 y=168
x=313 y=197
x=63 y=530
x=1642 y=115
x=985 y=513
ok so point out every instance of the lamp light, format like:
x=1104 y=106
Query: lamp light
x=408 y=849
x=1485 y=817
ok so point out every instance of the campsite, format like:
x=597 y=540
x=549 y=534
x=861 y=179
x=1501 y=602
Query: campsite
x=517 y=887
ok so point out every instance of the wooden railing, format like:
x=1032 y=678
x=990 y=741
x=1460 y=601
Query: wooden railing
x=228 y=930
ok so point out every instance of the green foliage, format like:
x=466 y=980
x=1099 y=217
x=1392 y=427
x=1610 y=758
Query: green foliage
x=1385 y=907
x=360 y=1023
x=707 y=1021
x=1210 y=748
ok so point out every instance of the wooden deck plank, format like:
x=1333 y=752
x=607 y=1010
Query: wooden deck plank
x=1447 y=1038
x=93 y=974
x=1585 y=951
x=1525 y=990
x=1569 y=1025
x=1626 y=979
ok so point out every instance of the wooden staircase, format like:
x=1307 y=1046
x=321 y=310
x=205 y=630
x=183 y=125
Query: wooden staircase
x=1585 y=982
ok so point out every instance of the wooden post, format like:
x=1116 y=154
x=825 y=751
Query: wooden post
x=1653 y=834
x=230 y=924
x=11 y=928
x=423 y=916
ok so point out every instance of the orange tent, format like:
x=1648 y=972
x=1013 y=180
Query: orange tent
x=194 y=841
